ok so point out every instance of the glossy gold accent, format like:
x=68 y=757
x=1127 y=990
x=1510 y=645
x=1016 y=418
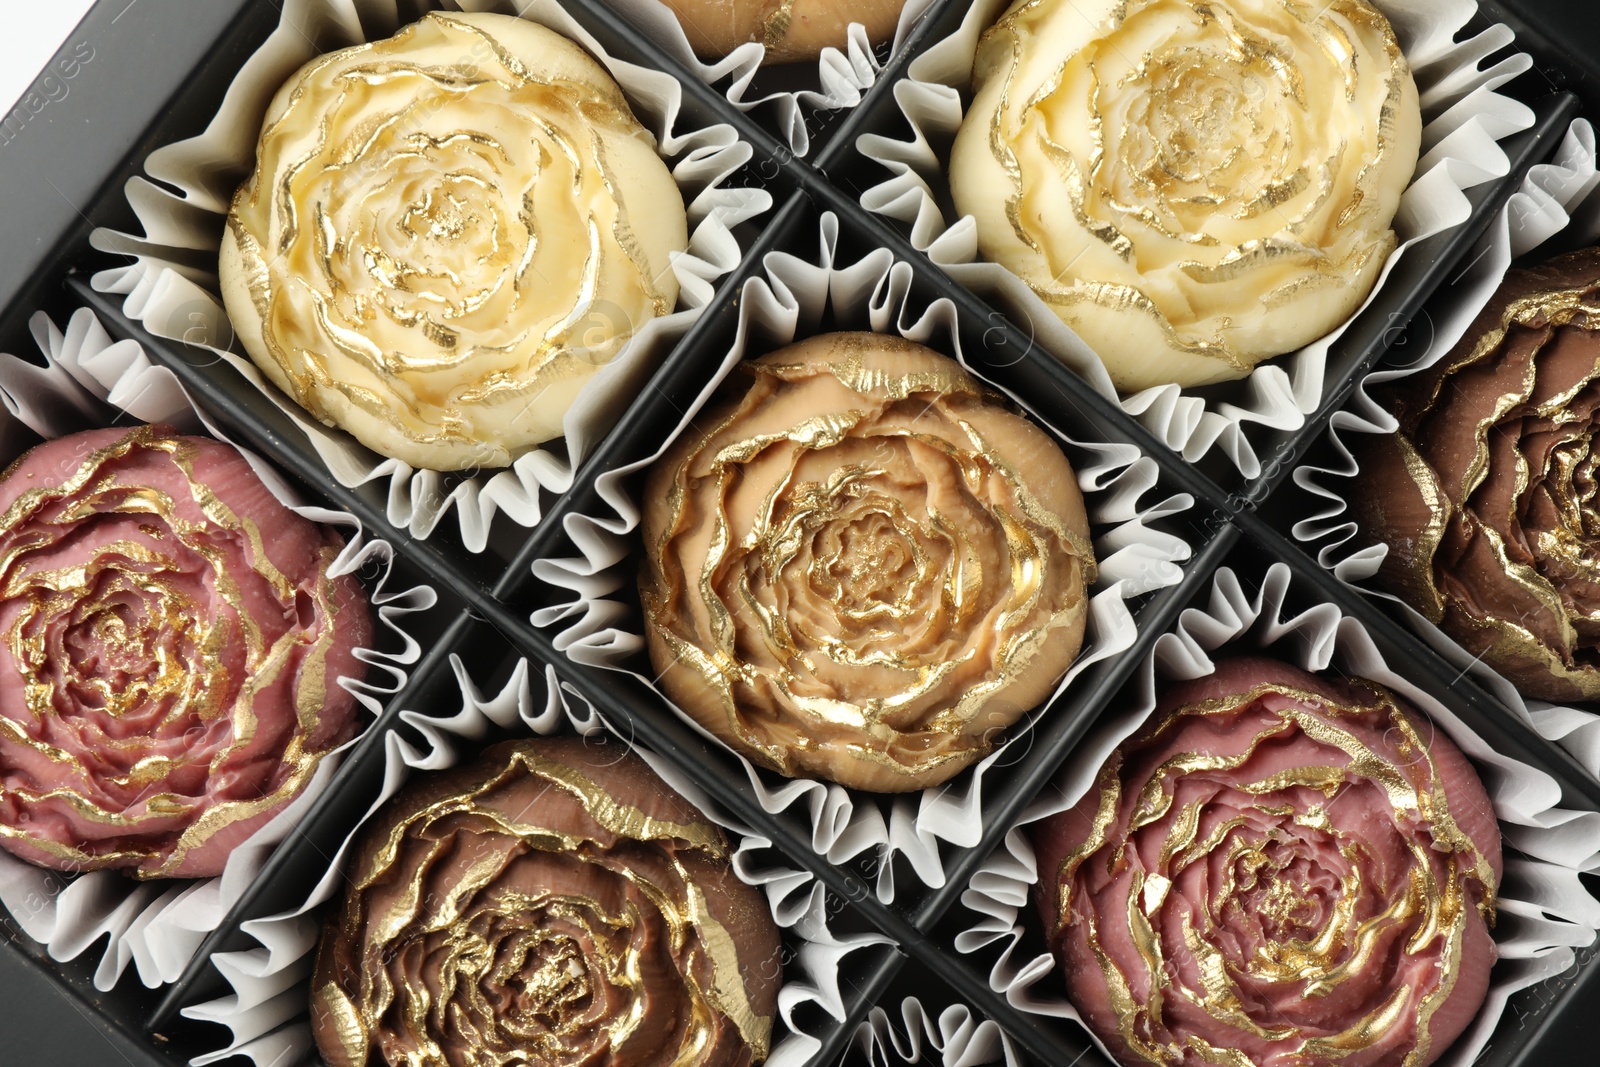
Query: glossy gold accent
x=160 y=664
x=776 y=25
x=347 y=1023
x=1310 y=940
x=521 y=969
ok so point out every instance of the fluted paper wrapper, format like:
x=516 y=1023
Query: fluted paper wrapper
x=955 y=1037
x=1134 y=557
x=843 y=75
x=172 y=286
x=267 y=1013
x=1557 y=209
x=1464 y=119
x=88 y=381
x=1544 y=911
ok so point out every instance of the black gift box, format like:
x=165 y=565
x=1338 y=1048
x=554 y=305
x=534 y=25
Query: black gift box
x=133 y=77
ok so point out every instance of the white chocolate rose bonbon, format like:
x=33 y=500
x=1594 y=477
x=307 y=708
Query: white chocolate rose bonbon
x=864 y=567
x=1193 y=187
x=447 y=234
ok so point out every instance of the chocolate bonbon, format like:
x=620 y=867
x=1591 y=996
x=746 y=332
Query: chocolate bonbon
x=1192 y=187
x=865 y=566
x=553 y=901
x=447 y=235
x=1278 y=868
x=172 y=653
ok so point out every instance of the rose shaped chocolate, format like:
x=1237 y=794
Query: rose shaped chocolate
x=1486 y=496
x=1279 y=870
x=1193 y=186
x=790 y=30
x=447 y=234
x=555 y=903
x=170 y=649
x=864 y=567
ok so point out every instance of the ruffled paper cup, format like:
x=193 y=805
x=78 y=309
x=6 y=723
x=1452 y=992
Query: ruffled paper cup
x=85 y=382
x=1465 y=118
x=172 y=287
x=1545 y=911
x=267 y=1012
x=1556 y=210
x=596 y=625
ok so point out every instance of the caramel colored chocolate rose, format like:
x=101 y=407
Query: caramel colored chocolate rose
x=791 y=30
x=864 y=567
x=1486 y=496
x=446 y=236
x=1279 y=870
x=1192 y=186
x=171 y=646
x=554 y=903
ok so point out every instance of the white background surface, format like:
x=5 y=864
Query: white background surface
x=34 y=29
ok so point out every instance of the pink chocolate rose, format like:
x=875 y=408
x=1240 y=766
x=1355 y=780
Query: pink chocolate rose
x=1279 y=870
x=170 y=645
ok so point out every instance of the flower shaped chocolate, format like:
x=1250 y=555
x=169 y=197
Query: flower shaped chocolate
x=1487 y=494
x=865 y=567
x=790 y=30
x=1192 y=186
x=1280 y=870
x=448 y=232
x=553 y=903
x=170 y=649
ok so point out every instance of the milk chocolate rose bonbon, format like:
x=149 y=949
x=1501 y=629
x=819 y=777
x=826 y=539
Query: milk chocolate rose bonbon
x=790 y=30
x=447 y=234
x=171 y=645
x=864 y=566
x=553 y=902
x=1279 y=870
x=1486 y=495
x=1192 y=187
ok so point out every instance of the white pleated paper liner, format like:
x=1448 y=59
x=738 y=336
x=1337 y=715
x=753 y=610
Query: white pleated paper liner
x=172 y=285
x=914 y=1033
x=1556 y=210
x=88 y=382
x=268 y=1012
x=1135 y=557
x=1465 y=118
x=1545 y=912
x=839 y=79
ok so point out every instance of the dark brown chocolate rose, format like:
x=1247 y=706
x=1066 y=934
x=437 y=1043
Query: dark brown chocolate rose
x=554 y=903
x=1486 y=495
x=1279 y=870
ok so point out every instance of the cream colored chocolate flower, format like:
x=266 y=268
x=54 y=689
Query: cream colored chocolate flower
x=448 y=232
x=1192 y=186
x=864 y=567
